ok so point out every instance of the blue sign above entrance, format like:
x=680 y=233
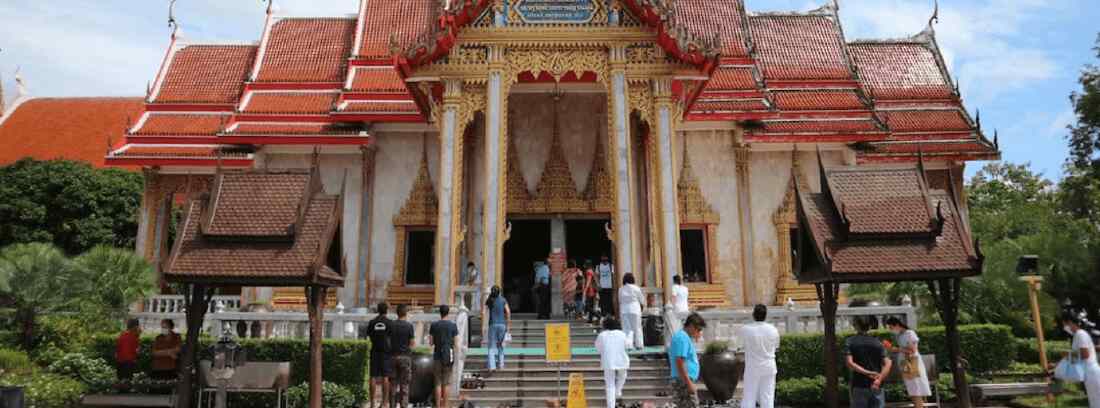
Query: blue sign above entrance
x=556 y=11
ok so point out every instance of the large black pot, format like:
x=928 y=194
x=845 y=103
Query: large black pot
x=423 y=379
x=721 y=372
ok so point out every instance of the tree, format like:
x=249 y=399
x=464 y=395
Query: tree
x=37 y=279
x=120 y=278
x=1081 y=185
x=70 y=204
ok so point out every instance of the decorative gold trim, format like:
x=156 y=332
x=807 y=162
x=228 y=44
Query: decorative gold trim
x=421 y=206
x=694 y=208
x=556 y=192
x=597 y=189
x=640 y=99
x=785 y=219
x=516 y=185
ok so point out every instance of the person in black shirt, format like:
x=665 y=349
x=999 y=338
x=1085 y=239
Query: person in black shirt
x=402 y=336
x=867 y=359
x=378 y=330
x=444 y=336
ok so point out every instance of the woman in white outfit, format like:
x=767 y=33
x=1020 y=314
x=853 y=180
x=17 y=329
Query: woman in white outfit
x=630 y=306
x=908 y=350
x=1083 y=344
x=612 y=344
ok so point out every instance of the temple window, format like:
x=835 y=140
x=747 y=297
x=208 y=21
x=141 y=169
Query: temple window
x=419 y=256
x=693 y=255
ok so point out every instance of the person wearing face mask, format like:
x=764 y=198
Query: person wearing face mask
x=166 y=351
x=1084 y=347
x=912 y=366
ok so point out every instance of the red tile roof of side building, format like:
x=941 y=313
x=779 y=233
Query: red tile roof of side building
x=900 y=70
x=403 y=20
x=307 y=50
x=727 y=17
x=206 y=74
x=66 y=128
x=799 y=47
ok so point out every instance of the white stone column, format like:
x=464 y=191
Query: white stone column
x=670 y=213
x=623 y=216
x=493 y=215
x=444 y=233
x=749 y=291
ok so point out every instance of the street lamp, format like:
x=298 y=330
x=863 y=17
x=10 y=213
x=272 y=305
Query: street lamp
x=228 y=355
x=1027 y=266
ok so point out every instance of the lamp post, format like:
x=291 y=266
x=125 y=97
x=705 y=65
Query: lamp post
x=1027 y=266
x=227 y=357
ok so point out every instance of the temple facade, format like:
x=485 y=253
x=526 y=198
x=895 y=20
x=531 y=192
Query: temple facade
x=670 y=136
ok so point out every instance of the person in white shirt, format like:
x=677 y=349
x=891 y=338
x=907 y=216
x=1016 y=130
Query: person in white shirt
x=630 y=306
x=760 y=340
x=612 y=344
x=1083 y=344
x=679 y=296
x=605 y=275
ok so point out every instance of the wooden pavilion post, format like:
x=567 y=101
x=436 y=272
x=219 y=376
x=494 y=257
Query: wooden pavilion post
x=947 y=300
x=198 y=300
x=827 y=293
x=316 y=299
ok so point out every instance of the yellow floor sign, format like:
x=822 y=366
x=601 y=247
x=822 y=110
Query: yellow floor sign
x=576 y=392
x=558 y=349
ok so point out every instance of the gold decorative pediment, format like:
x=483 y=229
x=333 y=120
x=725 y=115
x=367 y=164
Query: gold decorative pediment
x=556 y=191
x=516 y=187
x=694 y=208
x=597 y=190
x=422 y=206
x=557 y=62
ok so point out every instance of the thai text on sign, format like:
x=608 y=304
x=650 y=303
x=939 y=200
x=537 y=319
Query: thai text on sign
x=576 y=392
x=556 y=11
x=557 y=343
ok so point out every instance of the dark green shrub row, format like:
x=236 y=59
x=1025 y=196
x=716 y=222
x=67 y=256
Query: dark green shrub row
x=808 y=392
x=986 y=347
x=48 y=390
x=1027 y=350
x=332 y=396
x=345 y=360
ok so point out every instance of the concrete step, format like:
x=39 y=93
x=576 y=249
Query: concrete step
x=512 y=371
x=647 y=379
x=552 y=391
x=534 y=402
x=483 y=365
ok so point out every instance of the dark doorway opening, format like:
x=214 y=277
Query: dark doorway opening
x=529 y=242
x=586 y=240
x=693 y=255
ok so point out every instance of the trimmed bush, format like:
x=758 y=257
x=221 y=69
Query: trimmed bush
x=345 y=360
x=47 y=390
x=332 y=396
x=1027 y=350
x=93 y=372
x=808 y=392
x=987 y=348
x=14 y=360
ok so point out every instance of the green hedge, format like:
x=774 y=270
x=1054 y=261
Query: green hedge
x=808 y=392
x=345 y=361
x=47 y=390
x=1027 y=350
x=986 y=347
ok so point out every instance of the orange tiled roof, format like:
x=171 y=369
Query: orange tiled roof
x=303 y=103
x=380 y=107
x=382 y=79
x=817 y=100
x=727 y=17
x=732 y=78
x=66 y=128
x=925 y=120
x=269 y=128
x=182 y=124
x=405 y=20
x=206 y=74
x=307 y=50
x=796 y=126
x=900 y=70
x=799 y=47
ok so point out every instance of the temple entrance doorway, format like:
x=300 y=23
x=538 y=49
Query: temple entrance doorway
x=586 y=240
x=528 y=242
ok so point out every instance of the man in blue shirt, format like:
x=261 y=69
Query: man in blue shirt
x=542 y=289
x=684 y=361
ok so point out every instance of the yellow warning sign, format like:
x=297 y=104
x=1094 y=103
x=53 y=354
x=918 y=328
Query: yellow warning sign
x=557 y=343
x=576 y=392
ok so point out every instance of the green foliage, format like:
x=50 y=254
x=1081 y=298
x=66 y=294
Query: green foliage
x=69 y=204
x=120 y=277
x=1081 y=186
x=346 y=361
x=14 y=360
x=58 y=335
x=333 y=395
x=805 y=392
x=1027 y=350
x=47 y=390
x=95 y=373
x=38 y=278
x=986 y=348
x=717 y=347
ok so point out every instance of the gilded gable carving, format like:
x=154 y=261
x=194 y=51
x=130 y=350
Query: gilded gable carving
x=422 y=206
x=597 y=190
x=556 y=192
x=694 y=208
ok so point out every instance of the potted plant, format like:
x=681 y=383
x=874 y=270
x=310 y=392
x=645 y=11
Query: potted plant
x=423 y=379
x=720 y=369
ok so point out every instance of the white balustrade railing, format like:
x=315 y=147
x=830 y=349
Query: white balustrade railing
x=469 y=296
x=789 y=319
x=178 y=303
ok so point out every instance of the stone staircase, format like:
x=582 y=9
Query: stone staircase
x=527 y=380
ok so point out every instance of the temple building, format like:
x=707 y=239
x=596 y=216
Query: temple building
x=672 y=136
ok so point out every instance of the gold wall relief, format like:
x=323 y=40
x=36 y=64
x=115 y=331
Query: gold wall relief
x=640 y=99
x=694 y=208
x=597 y=189
x=421 y=209
x=556 y=192
x=516 y=187
x=785 y=220
x=556 y=61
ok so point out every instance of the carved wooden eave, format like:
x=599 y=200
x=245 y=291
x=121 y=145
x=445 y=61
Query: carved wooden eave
x=597 y=189
x=694 y=208
x=421 y=206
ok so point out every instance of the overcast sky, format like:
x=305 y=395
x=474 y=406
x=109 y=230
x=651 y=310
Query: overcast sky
x=1016 y=60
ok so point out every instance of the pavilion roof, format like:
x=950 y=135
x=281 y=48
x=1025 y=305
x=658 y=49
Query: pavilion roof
x=788 y=77
x=271 y=228
x=875 y=224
